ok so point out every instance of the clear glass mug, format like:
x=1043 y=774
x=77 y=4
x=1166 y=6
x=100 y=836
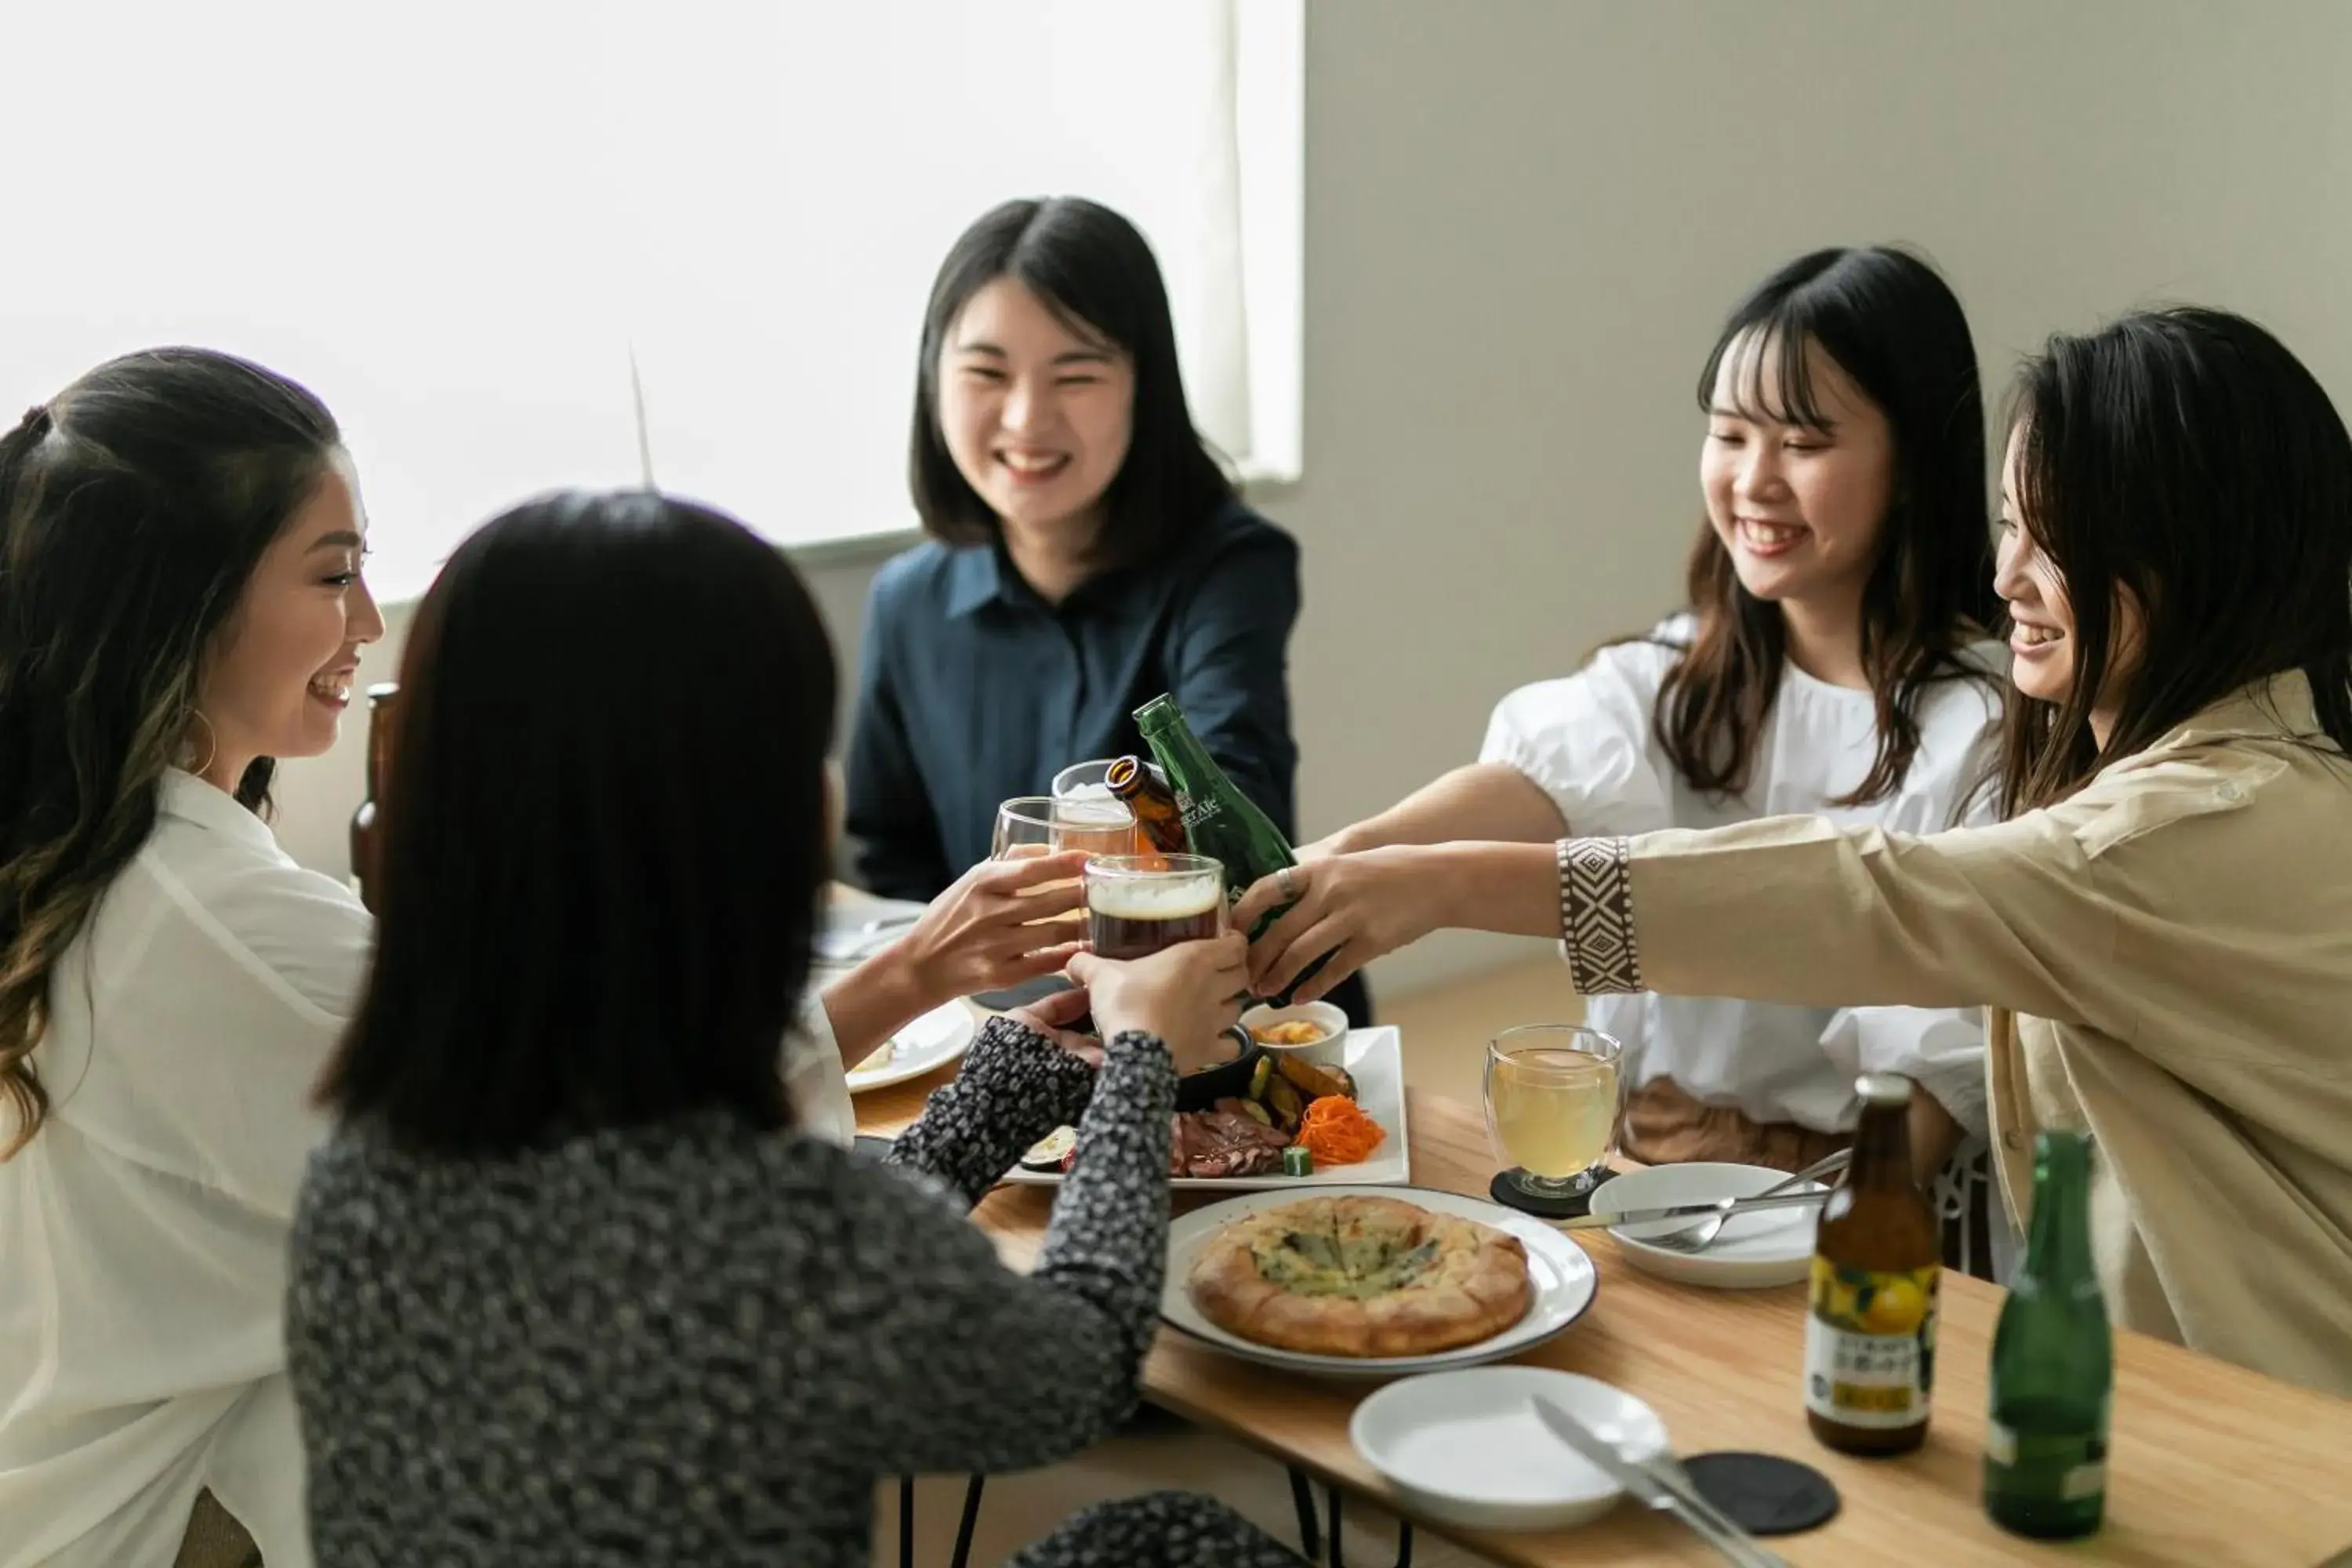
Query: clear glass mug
x=1086 y=785
x=1554 y=1095
x=1034 y=824
x=1139 y=904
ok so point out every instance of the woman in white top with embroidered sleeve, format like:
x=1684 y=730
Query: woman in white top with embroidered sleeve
x=181 y=605
x=1829 y=664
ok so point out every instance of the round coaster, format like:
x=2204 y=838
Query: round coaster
x=1764 y=1494
x=1510 y=1195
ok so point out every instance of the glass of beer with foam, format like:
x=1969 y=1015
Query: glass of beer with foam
x=1137 y=904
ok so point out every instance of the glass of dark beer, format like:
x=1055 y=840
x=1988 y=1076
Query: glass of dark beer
x=1137 y=904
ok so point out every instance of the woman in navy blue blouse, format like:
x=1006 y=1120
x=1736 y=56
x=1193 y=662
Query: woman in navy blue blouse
x=1087 y=552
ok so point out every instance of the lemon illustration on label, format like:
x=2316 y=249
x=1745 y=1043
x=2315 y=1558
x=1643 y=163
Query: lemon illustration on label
x=1897 y=1307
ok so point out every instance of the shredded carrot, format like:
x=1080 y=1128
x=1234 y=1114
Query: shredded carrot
x=1336 y=1131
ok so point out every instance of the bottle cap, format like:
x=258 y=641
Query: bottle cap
x=1883 y=1088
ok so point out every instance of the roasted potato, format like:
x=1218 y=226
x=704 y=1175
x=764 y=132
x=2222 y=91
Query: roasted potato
x=1314 y=1082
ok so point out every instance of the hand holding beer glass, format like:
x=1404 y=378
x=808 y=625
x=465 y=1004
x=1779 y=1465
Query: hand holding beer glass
x=1553 y=1098
x=1138 y=905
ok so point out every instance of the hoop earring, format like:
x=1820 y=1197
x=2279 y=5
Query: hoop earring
x=212 y=743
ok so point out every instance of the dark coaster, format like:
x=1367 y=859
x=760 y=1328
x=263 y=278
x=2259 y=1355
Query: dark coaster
x=1764 y=1494
x=1510 y=1195
x=1020 y=996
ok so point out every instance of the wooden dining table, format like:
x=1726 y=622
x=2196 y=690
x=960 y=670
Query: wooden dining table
x=2209 y=1463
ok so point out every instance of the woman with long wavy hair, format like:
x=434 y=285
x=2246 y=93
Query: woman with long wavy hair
x=1830 y=659
x=181 y=605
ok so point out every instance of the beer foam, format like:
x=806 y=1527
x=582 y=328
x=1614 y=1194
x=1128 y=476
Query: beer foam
x=1092 y=811
x=1174 y=898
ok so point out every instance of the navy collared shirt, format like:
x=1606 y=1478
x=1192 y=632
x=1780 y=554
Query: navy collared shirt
x=973 y=690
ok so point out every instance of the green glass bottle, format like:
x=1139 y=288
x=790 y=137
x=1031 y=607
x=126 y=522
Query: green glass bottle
x=1220 y=821
x=2054 y=1363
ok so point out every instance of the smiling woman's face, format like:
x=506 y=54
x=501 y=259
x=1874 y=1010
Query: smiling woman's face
x=279 y=676
x=1037 y=414
x=2042 y=613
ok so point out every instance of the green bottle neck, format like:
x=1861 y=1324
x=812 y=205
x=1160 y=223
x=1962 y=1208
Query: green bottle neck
x=1180 y=750
x=2058 y=1240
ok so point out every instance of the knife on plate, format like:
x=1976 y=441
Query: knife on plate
x=1648 y=1485
x=1691 y=1211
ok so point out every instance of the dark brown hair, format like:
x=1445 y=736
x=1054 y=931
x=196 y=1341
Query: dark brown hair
x=2185 y=462
x=598 y=890
x=133 y=508
x=1893 y=327
x=1096 y=273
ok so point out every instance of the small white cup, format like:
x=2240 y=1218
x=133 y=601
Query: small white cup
x=1330 y=1050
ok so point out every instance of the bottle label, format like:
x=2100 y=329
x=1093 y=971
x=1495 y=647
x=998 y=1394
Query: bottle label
x=1198 y=811
x=2045 y=1464
x=1870 y=1345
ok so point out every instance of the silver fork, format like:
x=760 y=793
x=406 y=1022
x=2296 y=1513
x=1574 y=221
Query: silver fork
x=1700 y=1233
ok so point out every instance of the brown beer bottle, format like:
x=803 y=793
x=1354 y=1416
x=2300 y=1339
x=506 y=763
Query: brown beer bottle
x=379 y=764
x=1870 y=1329
x=1157 y=814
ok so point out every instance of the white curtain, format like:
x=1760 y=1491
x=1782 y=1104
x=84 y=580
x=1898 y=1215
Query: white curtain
x=459 y=222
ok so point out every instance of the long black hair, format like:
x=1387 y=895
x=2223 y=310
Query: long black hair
x=2184 y=462
x=1896 y=328
x=135 y=505
x=599 y=888
x=1095 y=271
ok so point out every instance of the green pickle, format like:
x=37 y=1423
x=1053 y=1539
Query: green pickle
x=1297 y=1162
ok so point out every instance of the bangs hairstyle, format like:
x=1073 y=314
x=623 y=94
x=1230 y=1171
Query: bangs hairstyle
x=134 y=507
x=1897 y=330
x=598 y=890
x=1095 y=272
x=2185 y=463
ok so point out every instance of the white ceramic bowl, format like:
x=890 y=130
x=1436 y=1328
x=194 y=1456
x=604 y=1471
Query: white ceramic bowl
x=1754 y=1250
x=1332 y=1050
x=1466 y=1447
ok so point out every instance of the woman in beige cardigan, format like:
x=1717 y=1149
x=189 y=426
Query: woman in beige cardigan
x=2163 y=924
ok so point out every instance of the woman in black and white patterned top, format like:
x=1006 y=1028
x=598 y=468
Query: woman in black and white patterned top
x=567 y=1286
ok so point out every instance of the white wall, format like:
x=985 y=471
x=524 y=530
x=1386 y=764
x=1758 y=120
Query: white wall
x=1525 y=217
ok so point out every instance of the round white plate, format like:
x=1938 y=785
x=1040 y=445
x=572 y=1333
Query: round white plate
x=1754 y=1250
x=1562 y=1276
x=1466 y=1447
x=927 y=1043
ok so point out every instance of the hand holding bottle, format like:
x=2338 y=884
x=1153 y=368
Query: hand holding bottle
x=1353 y=908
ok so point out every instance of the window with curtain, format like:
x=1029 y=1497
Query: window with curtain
x=548 y=242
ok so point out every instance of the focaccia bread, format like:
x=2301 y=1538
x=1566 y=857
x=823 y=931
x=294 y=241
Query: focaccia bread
x=1361 y=1277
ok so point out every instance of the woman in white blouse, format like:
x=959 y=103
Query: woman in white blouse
x=181 y=605
x=1830 y=662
